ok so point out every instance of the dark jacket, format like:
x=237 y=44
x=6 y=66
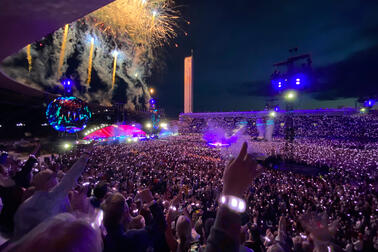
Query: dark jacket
x=225 y=234
x=151 y=238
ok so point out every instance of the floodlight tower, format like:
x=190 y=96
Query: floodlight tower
x=288 y=78
x=295 y=75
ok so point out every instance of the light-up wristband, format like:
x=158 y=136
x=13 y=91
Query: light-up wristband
x=233 y=203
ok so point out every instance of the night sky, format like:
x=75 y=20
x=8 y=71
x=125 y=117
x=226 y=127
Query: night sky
x=236 y=43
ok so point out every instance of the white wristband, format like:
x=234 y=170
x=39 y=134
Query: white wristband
x=233 y=203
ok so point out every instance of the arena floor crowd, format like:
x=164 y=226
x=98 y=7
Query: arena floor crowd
x=163 y=195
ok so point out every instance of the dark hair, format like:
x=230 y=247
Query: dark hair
x=100 y=190
x=208 y=224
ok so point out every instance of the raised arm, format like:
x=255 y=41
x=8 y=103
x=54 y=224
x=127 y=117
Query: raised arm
x=71 y=177
x=237 y=176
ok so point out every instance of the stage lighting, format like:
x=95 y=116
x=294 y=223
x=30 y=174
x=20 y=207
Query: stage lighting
x=369 y=103
x=66 y=146
x=290 y=95
x=272 y=114
x=152 y=91
x=164 y=125
x=148 y=125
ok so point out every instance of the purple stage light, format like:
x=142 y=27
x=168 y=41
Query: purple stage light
x=67 y=84
x=369 y=103
x=219 y=144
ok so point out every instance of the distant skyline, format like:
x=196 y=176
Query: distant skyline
x=235 y=45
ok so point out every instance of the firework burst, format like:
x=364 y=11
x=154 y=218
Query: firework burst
x=147 y=23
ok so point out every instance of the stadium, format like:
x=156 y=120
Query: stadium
x=102 y=149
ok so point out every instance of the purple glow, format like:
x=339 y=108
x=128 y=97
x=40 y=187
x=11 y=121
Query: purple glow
x=219 y=144
x=255 y=113
x=369 y=103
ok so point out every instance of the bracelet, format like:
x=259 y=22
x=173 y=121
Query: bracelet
x=233 y=203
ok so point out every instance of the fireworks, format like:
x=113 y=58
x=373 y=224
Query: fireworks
x=147 y=23
x=90 y=62
x=29 y=57
x=115 y=55
x=62 y=50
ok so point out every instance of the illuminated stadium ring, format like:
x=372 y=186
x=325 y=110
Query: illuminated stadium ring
x=68 y=114
x=219 y=144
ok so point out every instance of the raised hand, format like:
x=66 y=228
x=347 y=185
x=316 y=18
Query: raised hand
x=240 y=173
x=317 y=225
x=146 y=196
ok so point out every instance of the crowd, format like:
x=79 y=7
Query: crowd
x=336 y=126
x=170 y=194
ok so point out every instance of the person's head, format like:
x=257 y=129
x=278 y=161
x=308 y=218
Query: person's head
x=62 y=233
x=100 y=190
x=275 y=248
x=198 y=227
x=184 y=231
x=137 y=222
x=116 y=211
x=45 y=180
x=147 y=215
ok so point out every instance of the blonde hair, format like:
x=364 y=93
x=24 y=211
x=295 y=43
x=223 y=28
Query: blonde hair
x=61 y=233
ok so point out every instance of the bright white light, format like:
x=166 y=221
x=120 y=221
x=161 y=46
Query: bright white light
x=135 y=139
x=298 y=80
x=66 y=146
x=234 y=202
x=152 y=91
x=290 y=95
x=129 y=140
x=164 y=125
x=272 y=114
x=115 y=53
x=241 y=206
x=148 y=125
x=154 y=13
x=223 y=199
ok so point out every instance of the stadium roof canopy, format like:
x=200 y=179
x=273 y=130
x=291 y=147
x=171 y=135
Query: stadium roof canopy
x=23 y=22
